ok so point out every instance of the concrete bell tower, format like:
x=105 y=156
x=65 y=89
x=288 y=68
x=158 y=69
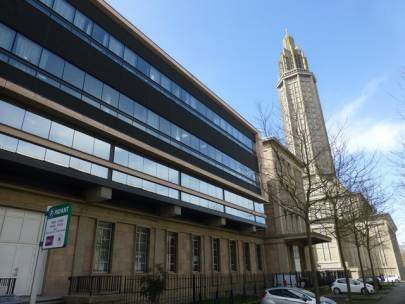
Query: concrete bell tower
x=303 y=122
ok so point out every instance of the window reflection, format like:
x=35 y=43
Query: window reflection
x=57 y=158
x=61 y=134
x=8 y=143
x=36 y=125
x=27 y=49
x=6 y=37
x=83 y=23
x=83 y=142
x=64 y=9
x=11 y=115
x=31 y=150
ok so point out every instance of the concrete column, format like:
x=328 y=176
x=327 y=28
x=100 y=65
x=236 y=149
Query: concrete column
x=224 y=255
x=160 y=249
x=84 y=251
x=184 y=253
x=98 y=194
x=123 y=249
x=169 y=211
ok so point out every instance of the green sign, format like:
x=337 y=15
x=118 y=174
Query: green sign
x=57 y=226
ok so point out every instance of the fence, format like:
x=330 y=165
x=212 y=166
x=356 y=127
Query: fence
x=7 y=286
x=196 y=288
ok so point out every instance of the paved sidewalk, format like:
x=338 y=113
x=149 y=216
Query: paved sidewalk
x=396 y=296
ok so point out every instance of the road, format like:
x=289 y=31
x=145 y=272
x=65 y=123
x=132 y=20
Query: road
x=396 y=296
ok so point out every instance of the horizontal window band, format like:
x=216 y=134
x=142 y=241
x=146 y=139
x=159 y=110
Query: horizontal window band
x=110 y=165
x=35 y=99
x=135 y=70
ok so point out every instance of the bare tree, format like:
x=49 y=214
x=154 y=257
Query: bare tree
x=291 y=188
x=339 y=197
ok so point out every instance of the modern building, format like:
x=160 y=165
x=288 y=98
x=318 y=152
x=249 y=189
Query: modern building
x=160 y=172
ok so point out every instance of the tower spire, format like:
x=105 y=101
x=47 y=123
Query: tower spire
x=292 y=57
x=301 y=108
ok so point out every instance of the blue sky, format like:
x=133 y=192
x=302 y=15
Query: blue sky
x=355 y=48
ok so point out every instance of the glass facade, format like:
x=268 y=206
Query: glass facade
x=34 y=124
x=96 y=36
x=82 y=85
x=25 y=148
x=38 y=125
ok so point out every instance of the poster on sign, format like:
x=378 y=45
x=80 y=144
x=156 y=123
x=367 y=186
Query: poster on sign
x=57 y=226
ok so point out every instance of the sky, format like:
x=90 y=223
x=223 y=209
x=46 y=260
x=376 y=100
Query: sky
x=356 y=50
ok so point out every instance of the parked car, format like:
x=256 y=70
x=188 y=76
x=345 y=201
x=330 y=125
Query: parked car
x=369 y=280
x=339 y=286
x=392 y=278
x=281 y=295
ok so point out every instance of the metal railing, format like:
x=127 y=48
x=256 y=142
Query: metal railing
x=95 y=285
x=7 y=286
x=194 y=288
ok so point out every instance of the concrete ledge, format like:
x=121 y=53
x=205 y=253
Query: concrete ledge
x=86 y=299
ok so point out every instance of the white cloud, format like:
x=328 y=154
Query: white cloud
x=363 y=134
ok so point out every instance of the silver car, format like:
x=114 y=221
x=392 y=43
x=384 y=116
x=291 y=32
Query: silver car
x=284 y=295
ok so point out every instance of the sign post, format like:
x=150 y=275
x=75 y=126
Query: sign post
x=57 y=226
x=54 y=234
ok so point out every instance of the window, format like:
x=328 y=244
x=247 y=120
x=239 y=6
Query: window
x=126 y=105
x=27 y=49
x=57 y=158
x=101 y=149
x=100 y=35
x=93 y=86
x=140 y=112
x=143 y=66
x=8 y=143
x=141 y=249
x=51 y=63
x=130 y=57
x=83 y=23
x=121 y=156
x=31 y=150
x=216 y=255
x=196 y=253
x=149 y=167
x=154 y=75
x=80 y=165
x=6 y=37
x=73 y=75
x=36 y=125
x=116 y=47
x=165 y=82
x=135 y=162
x=233 y=256
x=11 y=115
x=172 y=251
x=64 y=9
x=110 y=95
x=259 y=257
x=83 y=142
x=246 y=253
x=61 y=134
x=102 y=248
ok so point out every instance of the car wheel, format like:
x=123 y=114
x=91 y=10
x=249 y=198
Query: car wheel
x=364 y=291
x=336 y=291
